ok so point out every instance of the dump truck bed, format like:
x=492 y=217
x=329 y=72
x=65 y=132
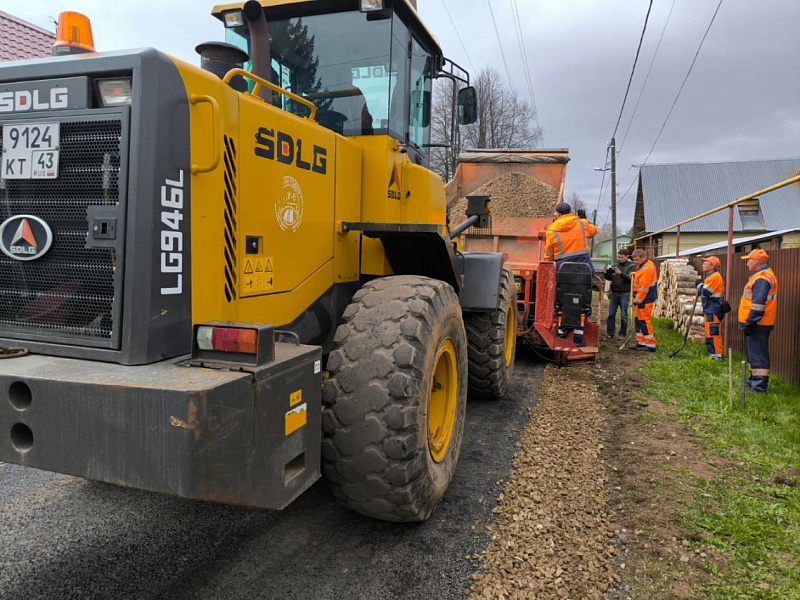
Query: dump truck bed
x=478 y=167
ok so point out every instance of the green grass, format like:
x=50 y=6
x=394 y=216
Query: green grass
x=752 y=521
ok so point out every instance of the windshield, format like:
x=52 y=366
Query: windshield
x=347 y=65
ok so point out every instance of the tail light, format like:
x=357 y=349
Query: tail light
x=245 y=343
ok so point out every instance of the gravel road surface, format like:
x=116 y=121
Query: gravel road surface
x=64 y=537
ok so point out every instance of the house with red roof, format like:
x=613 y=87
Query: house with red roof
x=20 y=40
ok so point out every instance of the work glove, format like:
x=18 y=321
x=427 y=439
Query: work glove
x=581 y=213
x=748 y=329
x=699 y=287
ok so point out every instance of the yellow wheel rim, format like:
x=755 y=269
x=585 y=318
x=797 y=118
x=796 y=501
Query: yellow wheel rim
x=511 y=334
x=443 y=400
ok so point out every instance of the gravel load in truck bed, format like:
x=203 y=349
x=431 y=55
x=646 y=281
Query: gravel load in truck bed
x=514 y=195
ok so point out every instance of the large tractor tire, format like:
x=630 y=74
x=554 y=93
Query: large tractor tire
x=492 y=338
x=394 y=405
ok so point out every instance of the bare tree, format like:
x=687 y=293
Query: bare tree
x=504 y=121
x=604 y=232
x=576 y=203
x=444 y=155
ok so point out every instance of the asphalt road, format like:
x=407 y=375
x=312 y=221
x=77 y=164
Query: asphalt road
x=62 y=537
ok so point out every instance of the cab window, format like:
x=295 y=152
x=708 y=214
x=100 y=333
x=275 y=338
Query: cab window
x=420 y=99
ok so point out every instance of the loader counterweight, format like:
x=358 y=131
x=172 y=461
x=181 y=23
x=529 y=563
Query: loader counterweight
x=249 y=438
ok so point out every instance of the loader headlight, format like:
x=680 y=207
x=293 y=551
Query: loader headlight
x=370 y=5
x=234 y=18
x=115 y=92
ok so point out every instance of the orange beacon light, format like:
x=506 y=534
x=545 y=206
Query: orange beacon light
x=74 y=34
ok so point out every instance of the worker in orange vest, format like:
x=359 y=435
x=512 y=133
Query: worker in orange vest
x=757 y=317
x=567 y=239
x=711 y=291
x=645 y=293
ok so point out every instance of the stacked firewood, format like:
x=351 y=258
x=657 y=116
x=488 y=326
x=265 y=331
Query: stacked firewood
x=677 y=287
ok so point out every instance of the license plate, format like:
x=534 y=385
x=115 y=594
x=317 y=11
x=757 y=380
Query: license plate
x=30 y=151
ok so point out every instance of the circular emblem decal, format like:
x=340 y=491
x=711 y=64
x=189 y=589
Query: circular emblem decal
x=25 y=237
x=289 y=209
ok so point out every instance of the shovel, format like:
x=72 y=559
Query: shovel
x=631 y=320
x=689 y=328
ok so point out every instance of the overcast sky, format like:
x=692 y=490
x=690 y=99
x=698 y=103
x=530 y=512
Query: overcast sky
x=741 y=102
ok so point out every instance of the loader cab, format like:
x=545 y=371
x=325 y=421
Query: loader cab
x=368 y=73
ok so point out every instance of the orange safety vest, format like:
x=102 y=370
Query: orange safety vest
x=715 y=285
x=713 y=288
x=645 y=282
x=771 y=306
x=567 y=237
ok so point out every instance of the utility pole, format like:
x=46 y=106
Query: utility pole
x=613 y=199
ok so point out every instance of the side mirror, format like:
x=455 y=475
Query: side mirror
x=467 y=106
x=421 y=107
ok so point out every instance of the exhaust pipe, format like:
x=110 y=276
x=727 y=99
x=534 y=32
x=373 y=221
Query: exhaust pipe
x=259 y=45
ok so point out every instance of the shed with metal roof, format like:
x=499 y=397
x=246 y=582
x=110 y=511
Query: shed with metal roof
x=670 y=193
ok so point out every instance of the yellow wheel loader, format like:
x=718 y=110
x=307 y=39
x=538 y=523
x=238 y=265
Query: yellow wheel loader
x=221 y=281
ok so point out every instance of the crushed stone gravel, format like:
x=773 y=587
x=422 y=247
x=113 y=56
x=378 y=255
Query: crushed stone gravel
x=514 y=195
x=552 y=537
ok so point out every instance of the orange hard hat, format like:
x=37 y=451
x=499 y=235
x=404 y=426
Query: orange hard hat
x=711 y=259
x=757 y=254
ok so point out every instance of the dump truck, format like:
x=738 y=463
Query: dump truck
x=551 y=304
x=223 y=281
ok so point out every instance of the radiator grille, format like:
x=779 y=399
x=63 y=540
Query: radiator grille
x=70 y=290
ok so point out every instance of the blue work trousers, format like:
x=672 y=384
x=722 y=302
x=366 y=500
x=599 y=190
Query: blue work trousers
x=756 y=346
x=621 y=301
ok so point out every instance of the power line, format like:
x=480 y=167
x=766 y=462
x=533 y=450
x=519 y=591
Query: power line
x=518 y=31
x=685 y=79
x=633 y=69
x=458 y=35
x=635 y=179
x=625 y=98
x=602 y=182
x=525 y=62
x=644 y=85
x=497 y=33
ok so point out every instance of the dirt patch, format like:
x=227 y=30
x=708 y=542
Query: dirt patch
x=651 y=462
x=552 y=537
x=514 y=195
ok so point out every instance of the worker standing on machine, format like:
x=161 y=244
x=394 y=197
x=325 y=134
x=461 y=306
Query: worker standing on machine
x=645 y=293
x=711 y=291
x=567 y=239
